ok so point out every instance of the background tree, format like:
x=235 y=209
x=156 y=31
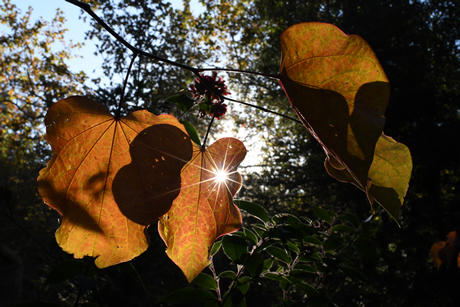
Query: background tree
x=33 y=76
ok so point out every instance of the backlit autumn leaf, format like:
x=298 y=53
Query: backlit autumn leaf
x=389 y=175
x=340 y=92
x=204 y=209
x=434 y=252
x=110 y=177
x=444 y=252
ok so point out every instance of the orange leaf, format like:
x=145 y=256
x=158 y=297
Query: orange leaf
x=204 y=209
x=110 y=177
x=434 y=252
x=339 y=91
x=446 y=253
x=443 y=252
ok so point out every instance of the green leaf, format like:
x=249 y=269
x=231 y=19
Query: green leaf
x=215 y=247
x=312 y=240
x=278 y=277
x=279 y=254
x=286 y=218
x=205 y=281
x=306 y=268
x=284 y=285
x=293 y=247
x=322 y=214
x=235 y=298
x=244 y=280
x=187 y=295
x=268 y=264
x=343 y=228
x=255 y=265
x=191 y=132
x=389 y=175
x=182 y=101
x=351 y=218
x=253 y=209
x=250 y=235
x=307 y=288
x=129 y=268
x=235 y=248
x=296 y=275
x=227 y=274
x=68 y=268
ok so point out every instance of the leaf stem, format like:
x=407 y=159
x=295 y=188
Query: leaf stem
x=117 y=115
x=216 y=278
x=203 y=147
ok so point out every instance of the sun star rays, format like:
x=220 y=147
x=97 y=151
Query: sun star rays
x=219 y=171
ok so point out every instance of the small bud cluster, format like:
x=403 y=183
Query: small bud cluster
x=209 y=102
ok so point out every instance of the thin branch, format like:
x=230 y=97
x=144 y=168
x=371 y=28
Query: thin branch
x=209 y=129
x=188 y=110
x=124 y=85
x=216 y=278
x=277 y=77
x=86 y=7
x=263 y=109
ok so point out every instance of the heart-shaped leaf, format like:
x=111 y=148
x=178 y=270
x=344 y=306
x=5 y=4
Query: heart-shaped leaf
x=204 y=209
x=340 y=92
x=110 y=177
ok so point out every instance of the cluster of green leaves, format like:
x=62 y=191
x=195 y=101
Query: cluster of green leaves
x=297 y=253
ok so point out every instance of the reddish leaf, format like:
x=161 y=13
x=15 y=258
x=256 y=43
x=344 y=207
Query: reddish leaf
x=434 y=252
x=101 y=165
x=444 y=252
x=204 y=209
x=340 y=92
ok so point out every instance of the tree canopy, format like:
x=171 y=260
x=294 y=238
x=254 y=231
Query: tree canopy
x=416 y=43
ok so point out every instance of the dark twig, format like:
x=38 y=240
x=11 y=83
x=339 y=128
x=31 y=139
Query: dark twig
x=277 y=77
x=86 y=7
x=117 y=115
x=263 y=109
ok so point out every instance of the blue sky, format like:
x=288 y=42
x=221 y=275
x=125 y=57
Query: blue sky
x=89 y=63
